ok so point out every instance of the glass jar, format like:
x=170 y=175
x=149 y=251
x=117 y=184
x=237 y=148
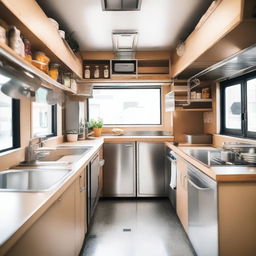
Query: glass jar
x=54 y=71
x=40 y=56
x=87 y=72
x=96 y=72
x=28 y=52
x=67 y=79
x=106 y=71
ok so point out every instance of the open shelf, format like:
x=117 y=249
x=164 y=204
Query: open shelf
x=30 y=19
x=26 y=66
x=153 y=66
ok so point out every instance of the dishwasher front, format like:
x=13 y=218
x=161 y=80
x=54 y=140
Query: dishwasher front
x=119 y=173
x=202 y=212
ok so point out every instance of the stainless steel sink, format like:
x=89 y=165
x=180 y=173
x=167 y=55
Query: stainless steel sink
x=31 y=180
x=58 y=156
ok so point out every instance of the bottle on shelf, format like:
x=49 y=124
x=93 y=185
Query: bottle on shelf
x=106 y=72
x=87 y=72
x=96 y=72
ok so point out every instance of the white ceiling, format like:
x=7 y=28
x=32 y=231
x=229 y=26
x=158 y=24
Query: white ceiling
x=160 y=23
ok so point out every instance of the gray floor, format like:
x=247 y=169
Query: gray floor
x=136 y=228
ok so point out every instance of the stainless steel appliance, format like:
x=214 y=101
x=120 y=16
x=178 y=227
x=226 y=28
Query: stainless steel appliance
x=171 y=172
x=150 y=169
x=202 y=213
x=213 y=157
x=93 y=192
x=119 y=170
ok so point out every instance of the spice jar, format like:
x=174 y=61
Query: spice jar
x=54 y=71
x=15 y=41
x=28 y=53
x=96 y=72
x=87 y=72
x=67 y=79
x=106 y=71
x=40 y=56
x=41 y=61
x=206 y=93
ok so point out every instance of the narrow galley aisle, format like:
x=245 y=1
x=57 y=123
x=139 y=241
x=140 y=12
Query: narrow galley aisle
x=143 y=227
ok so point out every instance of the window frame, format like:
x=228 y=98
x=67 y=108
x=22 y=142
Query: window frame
x=54 y=122
x=243 y=132
x=15 y=126
x=127 y=87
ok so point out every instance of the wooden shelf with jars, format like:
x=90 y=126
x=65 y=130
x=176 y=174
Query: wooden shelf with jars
x=145 y=70
x=198 y=100
x=47 y=81
x=34 y=25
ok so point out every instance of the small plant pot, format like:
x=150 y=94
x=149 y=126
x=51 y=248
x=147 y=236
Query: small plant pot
x=97 y=132
x=72 y=137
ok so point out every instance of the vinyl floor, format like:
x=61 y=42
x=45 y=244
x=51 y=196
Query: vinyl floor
x=139 y=227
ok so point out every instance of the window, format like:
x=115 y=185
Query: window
x=9 y=123
x=43 y=115
x=239 y=106
x=126 y=106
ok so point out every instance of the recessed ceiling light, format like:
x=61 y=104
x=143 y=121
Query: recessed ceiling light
x=121 y=5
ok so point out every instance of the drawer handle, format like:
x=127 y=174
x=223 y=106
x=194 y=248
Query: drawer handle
x=197 y=187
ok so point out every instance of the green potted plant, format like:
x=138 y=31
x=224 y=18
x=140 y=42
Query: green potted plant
x=96 y=125
x=72 y=135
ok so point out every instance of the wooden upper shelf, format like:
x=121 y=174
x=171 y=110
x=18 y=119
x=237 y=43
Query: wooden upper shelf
x=35 y=25
x=229 y=29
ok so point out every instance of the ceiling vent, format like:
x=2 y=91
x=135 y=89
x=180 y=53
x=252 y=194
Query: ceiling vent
x=121 y=5
x=125 y=43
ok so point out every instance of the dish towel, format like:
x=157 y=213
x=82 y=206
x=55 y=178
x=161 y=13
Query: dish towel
x=173 y=182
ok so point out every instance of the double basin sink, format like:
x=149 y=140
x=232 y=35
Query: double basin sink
x=44 y=174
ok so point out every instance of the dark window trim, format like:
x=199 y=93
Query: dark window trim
x=243 y=132
x=54 y=123
x=15 y=126
x=125 y=87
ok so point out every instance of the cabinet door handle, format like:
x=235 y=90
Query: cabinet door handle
x=128 y=145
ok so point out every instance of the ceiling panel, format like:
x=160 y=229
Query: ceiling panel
x=160 y=23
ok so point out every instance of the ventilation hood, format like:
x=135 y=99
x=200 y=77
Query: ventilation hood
x=233 y=52
x=243 y=62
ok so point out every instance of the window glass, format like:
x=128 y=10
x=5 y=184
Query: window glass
x=233 y=107
x=131 y=106
x=251 y=105
x=6 y=129
x=41 y=114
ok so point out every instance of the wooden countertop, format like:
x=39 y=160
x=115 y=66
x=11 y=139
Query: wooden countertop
x=19 y=210
x=218 y=173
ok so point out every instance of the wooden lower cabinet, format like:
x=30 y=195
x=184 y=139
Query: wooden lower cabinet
x=81 y=212
x=61 y=229
x=182 y=192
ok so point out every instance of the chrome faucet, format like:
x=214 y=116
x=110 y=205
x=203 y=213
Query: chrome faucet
x=33 y=153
